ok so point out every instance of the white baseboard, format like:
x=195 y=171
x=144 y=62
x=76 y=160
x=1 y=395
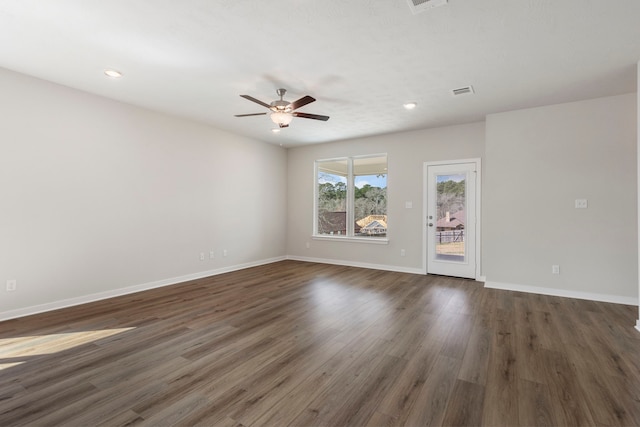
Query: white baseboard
x=617 y=299
x=27 y=311
x=358 y=264
x=638 y=325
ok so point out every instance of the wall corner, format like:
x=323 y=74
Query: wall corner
x=638 y=174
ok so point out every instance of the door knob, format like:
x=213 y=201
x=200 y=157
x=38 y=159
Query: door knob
x=430 y=224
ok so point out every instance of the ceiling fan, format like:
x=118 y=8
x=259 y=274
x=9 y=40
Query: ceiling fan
x=282 y=112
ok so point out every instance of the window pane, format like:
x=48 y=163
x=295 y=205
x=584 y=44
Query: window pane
x=332 y=197
x=370 y=196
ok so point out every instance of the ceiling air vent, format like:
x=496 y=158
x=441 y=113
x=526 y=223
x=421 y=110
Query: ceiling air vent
x=462 y=91
x=418 y=6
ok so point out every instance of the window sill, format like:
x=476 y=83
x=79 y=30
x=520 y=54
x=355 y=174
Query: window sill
x=371 y=240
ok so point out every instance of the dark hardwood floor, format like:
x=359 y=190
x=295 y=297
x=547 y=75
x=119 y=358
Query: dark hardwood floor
x=305 y=344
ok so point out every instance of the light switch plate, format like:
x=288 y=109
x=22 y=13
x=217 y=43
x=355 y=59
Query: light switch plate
x=581 y=203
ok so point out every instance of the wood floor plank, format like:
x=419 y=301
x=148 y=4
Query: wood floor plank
x=32 y=406
x=335 y=369
x=82 y=361
x=186 y=379
x=276 y=379
x=457 y=340
x=501 y=393
x=485 y=308
x=406 y=389
x=358 y=408
x=127 y=418
x=571 y=407
x=476 y=356
x=176 y=412
x=431 y=403
x=465 y=405
x=331 y=399
x=534 y=404
x=404 y=344
x=378 y=419
x=305 y=344
x=102 y=404
x=215 y=413
x=598 y=384
x=528 y=343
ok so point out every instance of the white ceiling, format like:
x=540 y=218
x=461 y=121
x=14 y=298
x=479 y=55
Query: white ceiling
x=361 y=59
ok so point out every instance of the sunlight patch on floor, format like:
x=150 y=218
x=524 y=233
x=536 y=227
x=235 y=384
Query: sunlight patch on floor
x=25 y=346
x=9 y=365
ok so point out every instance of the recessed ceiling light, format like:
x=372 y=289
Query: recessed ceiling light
x=410 y=105
x=275 y=130
x=113 y=73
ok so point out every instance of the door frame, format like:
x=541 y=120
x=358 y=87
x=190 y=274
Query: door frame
x=425 y=177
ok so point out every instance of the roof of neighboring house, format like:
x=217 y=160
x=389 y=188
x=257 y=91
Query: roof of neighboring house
x=455 y=220
x=333 y=221
x=372 y=220
x=375 y=224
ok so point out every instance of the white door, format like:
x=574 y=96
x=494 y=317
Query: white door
x=451 y=218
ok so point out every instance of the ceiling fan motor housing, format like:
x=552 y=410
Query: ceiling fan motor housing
x=281 y=105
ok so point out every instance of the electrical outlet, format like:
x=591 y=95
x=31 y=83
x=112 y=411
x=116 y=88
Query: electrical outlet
x=402 y=252
x=308 y=245
x=225 y=253
x=201 y=256
x=12 y=285
x=555 y=269
x=212 y=254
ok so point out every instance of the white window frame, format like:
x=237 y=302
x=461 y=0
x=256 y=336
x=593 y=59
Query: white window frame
x=349 y=237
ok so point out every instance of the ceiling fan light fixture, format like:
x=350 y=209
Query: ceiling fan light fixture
x=282 y=112
x=281 y=118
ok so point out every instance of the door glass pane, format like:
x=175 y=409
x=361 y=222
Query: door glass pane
x=332 y=197
x=451 y=217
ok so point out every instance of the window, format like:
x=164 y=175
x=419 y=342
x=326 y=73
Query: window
x=351 y=197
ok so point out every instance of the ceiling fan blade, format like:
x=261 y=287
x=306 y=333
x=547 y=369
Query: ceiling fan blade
x=311 y=116
x=257 y=101
x=252 y=114
x=301 y=102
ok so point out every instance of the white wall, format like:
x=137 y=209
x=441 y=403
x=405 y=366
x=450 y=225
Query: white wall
x=538 y=161
x=406 y=154
x=97 y=196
